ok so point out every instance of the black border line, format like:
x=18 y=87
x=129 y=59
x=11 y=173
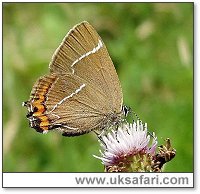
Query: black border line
x=194 y=110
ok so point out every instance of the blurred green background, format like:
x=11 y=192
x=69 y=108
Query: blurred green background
x=151 y=45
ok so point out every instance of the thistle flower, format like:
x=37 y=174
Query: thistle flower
x=129 y=149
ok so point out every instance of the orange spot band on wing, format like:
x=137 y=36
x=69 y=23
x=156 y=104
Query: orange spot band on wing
x=37 y=102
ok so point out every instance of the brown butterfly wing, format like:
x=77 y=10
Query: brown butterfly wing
x=83 y=89
x=74 y=105
x=83 y=53
x=67 y=103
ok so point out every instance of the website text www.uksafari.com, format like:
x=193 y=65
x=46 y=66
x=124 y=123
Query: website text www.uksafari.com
x=132 y=180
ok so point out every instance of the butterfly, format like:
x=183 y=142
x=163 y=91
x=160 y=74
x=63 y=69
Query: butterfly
x=82 y=92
